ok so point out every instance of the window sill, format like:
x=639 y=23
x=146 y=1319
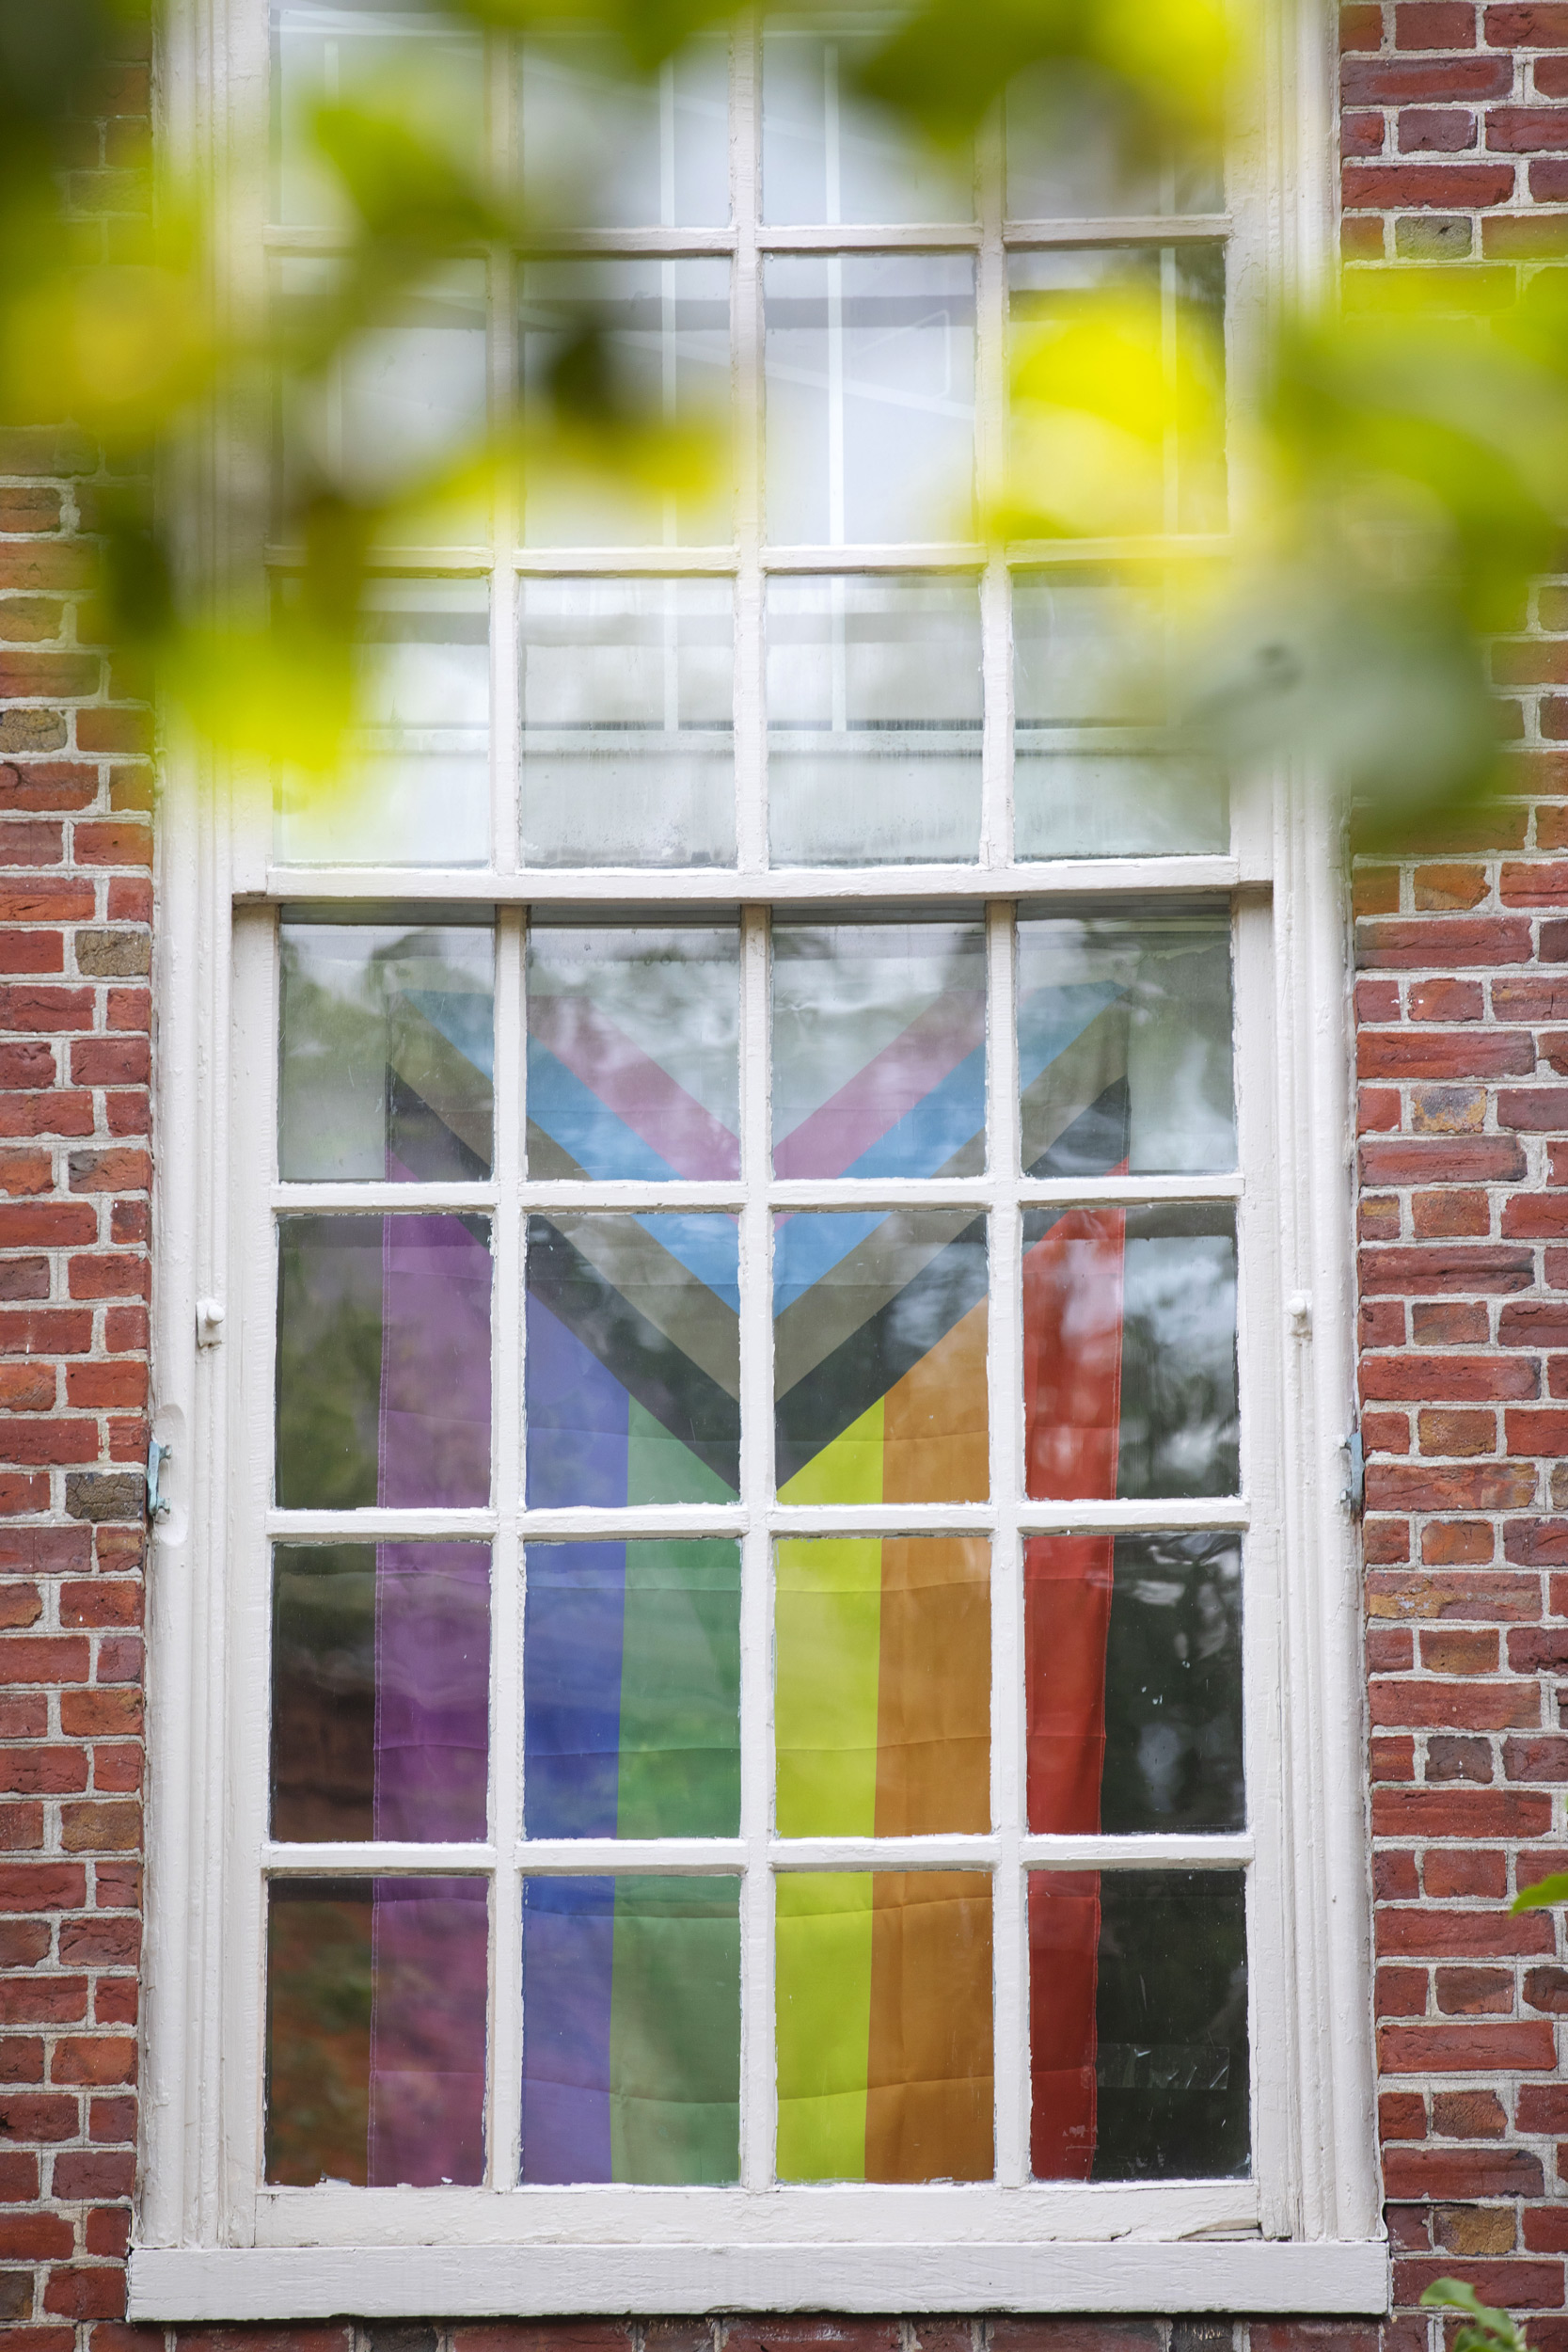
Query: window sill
x=175 y=2284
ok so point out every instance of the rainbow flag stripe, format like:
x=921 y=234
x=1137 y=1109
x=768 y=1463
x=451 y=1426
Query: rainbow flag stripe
x=631 y=2030
x=883 y=1686
x=884 y=2025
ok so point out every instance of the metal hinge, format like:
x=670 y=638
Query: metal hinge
x=158 y=1504
x=1354 y=1495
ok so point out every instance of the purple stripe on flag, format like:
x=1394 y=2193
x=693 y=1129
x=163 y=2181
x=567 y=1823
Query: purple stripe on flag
x=432 y=1690
x=830 y=1138
x=637 y=1089
x=430 y=1971
x=435 y=1364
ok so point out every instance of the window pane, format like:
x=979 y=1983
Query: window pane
x=870 y=365
x=377 y=2001
x=380 y=1690
x=383 y=1363
x=415 y=785
x=881 y=1706
x=879 y=1049
x=1048 y=291
x=1133 y=1676
x=874 y=716
x=654 y=338
x=633 y=1369
x=1130 y=1353
x=628 y=728
x=398 y=405
x=633 y=1051
x=631 y=2030
x=387 y=1056
x=631 y=1690
x=393 y=58
x=1091 y=775
x=828 y=154
x=605 y=147
x=1072 y=153
x=1137 y=2019
x=880 y=1357
x=1124 y=1046
x=884 y=2025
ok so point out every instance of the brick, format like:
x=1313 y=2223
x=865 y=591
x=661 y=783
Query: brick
x=1461 y=2173
x=1434 y=25
x=1476 y=1706
x=1444 y=945
x=1458 y=1487
x=1420 y=184
x=1397 y=81
x=1461 y=2048
x=1426 y=1931
x=1524 y=131
x=1519 y=2285
x=1460 y=1813
x=1445 y=1053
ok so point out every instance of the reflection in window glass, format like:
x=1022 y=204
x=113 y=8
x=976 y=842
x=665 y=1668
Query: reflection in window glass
x=1047 y=291
x=395 y=58
x=415 y=786
x=628 y=728
x=631 y=1690
x=401 y=404
x=631 y=2030
x=830 y=155
x=880 y=1357
x=633 y=1359
x=649 y=339
x=377 y=2000
x=388 y=1052
x=380 y=1690
x=1130 y=1353
x=1133 y=1682
x=881 y=1705
x=870 y=369
x=1091 y=774
x=878 y=1035
x=383 y=1363
x=1124 y=1046
x=633 y=1051
x=884 y=2025
x=1072 y=153
x=1137 y=2022
x=605 y=147
x=873 y=718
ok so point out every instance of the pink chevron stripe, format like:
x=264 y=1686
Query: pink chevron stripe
x=655 y=1106
x=892 y=1083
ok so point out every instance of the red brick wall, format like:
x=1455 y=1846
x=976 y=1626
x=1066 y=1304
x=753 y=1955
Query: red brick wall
x=1454 y=149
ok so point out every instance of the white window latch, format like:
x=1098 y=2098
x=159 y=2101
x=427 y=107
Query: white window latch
x=209 y=1319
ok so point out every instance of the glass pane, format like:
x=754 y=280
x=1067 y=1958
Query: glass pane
x=388 y=1056
x=1124 y=1046
x=628 y=727
x=631 y=1690
x=605 y=147
x=415 y=786
x=1049 y=292
x=394 y=59
x=830 y=155
x=879 y=1049
x=884 y=2025
x=377 y=2001
x=882 y=1707
x=1133 y=1682
x=1072 y=153
x=633 y=1364
x=654 y=337
x=631 y=2030
x=383 y=1363
x=870 y=366
x=380 y=1690
x=874 y=718
x=880 y=1357
x=1091 y=778
x=633 y=1048
x=1130 y=1353
x=403 y=402
x=1137 y=2023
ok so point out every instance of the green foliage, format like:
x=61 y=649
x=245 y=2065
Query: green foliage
x=1545 y=1893
x=1487 y=2330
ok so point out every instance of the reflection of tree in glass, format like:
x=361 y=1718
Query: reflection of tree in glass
x=1173 y=1686
x=1179 y=1416
x=1171 y=2013
x=328 y=1370
x=319 y=1998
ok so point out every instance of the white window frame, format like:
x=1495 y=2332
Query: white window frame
x=1304 y=2233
